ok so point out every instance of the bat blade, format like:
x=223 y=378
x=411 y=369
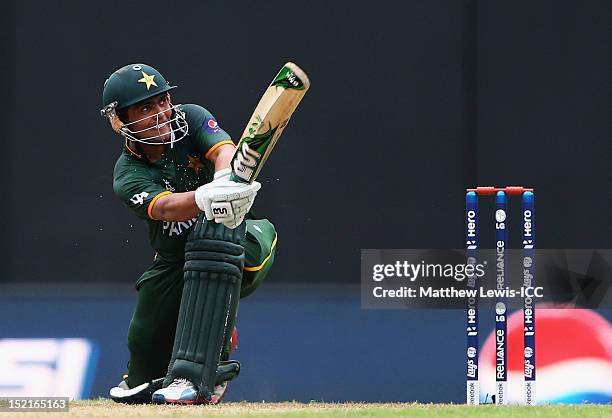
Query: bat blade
x=268 y=122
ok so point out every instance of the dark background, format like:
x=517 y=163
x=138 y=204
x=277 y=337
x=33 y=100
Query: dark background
x=410 y=103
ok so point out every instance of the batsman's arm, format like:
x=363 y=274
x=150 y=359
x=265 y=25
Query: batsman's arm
x=174 y=207
x=182 y=206
x=222 y=156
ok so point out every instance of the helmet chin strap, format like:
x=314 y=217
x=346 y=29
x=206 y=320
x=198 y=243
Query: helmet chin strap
x=116 y=124
x=138 y=146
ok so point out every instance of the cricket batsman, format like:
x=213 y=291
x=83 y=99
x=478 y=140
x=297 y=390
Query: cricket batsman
x=173 y=173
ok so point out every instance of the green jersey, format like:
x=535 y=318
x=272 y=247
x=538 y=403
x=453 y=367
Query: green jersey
x=182 y=168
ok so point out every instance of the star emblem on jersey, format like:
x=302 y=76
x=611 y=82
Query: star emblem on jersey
x=148 y=80
x=195 y=164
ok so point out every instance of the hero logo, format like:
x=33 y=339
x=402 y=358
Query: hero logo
x=245 y=162
x=527 y=231
x=471 y=230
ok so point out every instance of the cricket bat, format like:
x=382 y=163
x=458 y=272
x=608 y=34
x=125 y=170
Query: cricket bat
x=268 y=122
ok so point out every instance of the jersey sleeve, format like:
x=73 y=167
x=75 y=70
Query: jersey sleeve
x=135 y=187
x=204 y=129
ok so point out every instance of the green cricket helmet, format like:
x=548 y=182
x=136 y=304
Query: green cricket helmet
x=134 y=83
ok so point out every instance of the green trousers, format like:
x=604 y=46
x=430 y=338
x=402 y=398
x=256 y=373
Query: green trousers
x=153 y=325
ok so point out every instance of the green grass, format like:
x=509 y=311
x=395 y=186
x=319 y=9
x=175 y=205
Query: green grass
x=106 y=408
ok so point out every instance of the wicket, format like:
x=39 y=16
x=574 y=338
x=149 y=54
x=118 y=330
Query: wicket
x=501 y=244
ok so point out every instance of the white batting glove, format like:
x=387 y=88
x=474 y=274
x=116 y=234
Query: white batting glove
x=226 y=201
x=222 y=174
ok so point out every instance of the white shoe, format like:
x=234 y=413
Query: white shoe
x=179 y=391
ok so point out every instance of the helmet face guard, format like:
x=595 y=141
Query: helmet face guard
x=132 y=84
x=152 y=135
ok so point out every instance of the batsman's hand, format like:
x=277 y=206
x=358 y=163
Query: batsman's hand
x=226 y=201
